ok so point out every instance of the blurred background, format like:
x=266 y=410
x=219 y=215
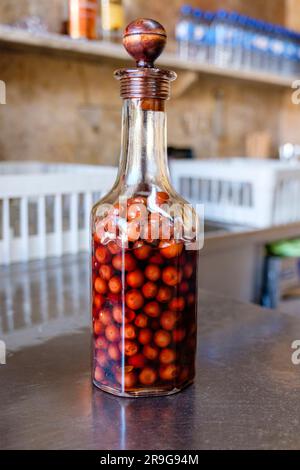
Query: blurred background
x=72 y=104
x=233 y=133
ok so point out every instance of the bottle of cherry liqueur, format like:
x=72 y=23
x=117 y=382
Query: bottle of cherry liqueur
x=144 y=245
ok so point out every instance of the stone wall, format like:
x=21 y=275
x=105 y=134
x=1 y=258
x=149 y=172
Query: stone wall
x=68 y=110
x=163 y=10
x=292 y=14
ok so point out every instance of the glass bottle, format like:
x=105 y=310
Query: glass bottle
x=65 y=23
x=83 y=19
x=184 y=31
x=112 y=19
x=144 y=245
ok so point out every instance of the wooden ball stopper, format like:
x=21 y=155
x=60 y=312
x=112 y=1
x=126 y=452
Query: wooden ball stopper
x=145 y=39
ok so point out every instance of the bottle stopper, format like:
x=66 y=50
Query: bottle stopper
x=144 y=40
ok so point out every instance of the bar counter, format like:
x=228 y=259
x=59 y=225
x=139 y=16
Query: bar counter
x=246 y=394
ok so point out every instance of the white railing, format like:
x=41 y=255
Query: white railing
x=46 y=208
x=254 y=193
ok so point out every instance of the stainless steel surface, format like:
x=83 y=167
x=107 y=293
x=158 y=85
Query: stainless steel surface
x=246 y=394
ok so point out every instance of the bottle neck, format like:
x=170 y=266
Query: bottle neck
x=144 y=161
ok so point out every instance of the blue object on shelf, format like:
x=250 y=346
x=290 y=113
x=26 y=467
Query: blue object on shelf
x=232 y=40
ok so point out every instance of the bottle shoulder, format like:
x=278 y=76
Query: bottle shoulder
x=153 y=196
x=136 y=215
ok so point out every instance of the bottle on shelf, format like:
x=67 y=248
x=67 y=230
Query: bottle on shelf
x=297 y=64
x=222 y=53
x=201 y=29
x=244 y=40
x=291 y=53
x=144 y=245
x=234 y=48
x=251 y=44
x=276 y=50
x=65 y=24
x=240 y=35
x=83 y=16
x=270 y=59
x=112 y=19
x=196 y=33
x=259 y=46
x=285 y=61
x=231 y=40
x=210 y=37
x=184 y=31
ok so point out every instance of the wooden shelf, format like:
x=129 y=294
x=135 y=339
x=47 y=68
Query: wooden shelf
x=17 y=39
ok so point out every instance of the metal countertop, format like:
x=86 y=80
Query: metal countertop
x=246 y=395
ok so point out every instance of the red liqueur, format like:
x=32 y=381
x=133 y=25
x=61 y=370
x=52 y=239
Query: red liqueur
x=144 y=245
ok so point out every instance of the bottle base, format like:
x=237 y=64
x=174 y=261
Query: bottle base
x=143 y=393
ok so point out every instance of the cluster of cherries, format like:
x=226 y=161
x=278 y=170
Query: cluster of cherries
x=144 y=313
